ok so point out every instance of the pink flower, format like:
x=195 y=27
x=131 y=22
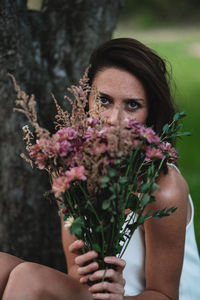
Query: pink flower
x=76 y=173
x=77 y=144
x=153 y=153
x=88 y=133
x=170 y=151
x=64 y=148
x=41 y=160
x=72 y=159
x=101 y=148
x=34 y=151
x=60 y=185
x=65 y=134
x=92 y=122
x=150 y=135
x=133 y=124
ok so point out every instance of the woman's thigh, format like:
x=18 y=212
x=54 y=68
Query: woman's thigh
x=32 y=281
x=7 y=264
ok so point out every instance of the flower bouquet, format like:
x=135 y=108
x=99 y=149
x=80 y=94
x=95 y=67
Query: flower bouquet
x=102 y=177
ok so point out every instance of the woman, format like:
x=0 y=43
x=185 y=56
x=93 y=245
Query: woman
x=161 y=261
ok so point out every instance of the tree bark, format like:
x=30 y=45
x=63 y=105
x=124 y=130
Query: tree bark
x=46 y=51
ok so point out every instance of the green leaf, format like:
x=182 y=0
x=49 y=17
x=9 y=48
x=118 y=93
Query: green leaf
x=98 y=228
x=117 y=187
x=112 y=173
x=155 y=186
x=186 y=133
x=144 y=187
x=165 y=127
x=171 y=210
x=182 y=114
x=132 y=202
x=112 y=220
x=76 y=230
x=65 y=217
x=104 y=185
x=156 y=217
x=77 y=226
x=112 y=197
x=176 y=117
x=112 y=189
x=122 y=179
x=62 y=205
x=179 y=127
x=105 y=179
x=106 y=204
x=141 y=220
x=96 y=247
x=145 y=199
x=154 y=214
x=147 y=214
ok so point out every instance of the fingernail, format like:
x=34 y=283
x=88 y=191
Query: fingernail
x=107 y=259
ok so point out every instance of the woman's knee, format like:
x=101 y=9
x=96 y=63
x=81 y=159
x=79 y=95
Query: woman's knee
x=34 y=281
x=7 y=264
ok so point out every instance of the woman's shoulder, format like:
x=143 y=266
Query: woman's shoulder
x=173 y=189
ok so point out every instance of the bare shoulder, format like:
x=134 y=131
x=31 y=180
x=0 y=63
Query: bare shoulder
x=173 y=189
x=173 y=193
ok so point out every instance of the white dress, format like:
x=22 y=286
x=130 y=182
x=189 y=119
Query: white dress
x=134 y=272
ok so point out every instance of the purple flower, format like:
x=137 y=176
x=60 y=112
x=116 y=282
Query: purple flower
x=169 y=151
x=64 y=148
x=152 y=153
x=92 y=122
x=66 y=134
x=150 y=135
x=133 y=124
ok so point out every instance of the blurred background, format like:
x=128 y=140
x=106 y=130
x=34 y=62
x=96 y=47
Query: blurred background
x=172 y=29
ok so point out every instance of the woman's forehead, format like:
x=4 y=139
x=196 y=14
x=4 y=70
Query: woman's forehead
x=113 y=81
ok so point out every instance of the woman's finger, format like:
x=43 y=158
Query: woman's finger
x=76 y=247
x=111 y=274
x=107 y=296
x=84 y=279
x=81 y=260
x=118 y=262
x=114 y=288
x=88 y=269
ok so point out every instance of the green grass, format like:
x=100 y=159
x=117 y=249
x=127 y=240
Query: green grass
x=175 y=45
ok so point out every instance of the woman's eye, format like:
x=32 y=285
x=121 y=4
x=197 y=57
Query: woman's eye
x=133 y=105
x=104 y=100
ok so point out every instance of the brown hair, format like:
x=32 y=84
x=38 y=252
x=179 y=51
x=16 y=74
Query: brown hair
x=133 y=56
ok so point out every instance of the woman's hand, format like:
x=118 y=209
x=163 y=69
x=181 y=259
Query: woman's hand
x=84 y=262
x=113 y=290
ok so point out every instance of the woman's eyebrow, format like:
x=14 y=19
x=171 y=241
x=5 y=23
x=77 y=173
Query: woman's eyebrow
x=126 y=99
x=104 y=95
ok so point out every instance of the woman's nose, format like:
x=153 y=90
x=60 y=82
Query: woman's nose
x=113 y=117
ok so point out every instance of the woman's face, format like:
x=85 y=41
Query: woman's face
x=121 y=95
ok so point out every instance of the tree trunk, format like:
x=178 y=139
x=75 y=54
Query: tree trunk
x=46 y=51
